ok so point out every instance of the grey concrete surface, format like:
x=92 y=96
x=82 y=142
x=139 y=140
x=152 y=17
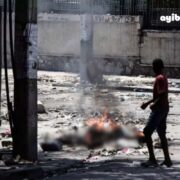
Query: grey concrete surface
x=68 y=105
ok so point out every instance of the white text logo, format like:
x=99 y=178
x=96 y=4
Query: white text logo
x=169 y=19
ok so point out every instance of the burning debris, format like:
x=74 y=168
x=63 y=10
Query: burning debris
x=102 y=123
x=95 y=132
x=104 y=128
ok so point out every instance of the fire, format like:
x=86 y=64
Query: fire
x=104 y=128
x=100 y=129
x=102 y=123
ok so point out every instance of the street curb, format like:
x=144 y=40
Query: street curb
x=136 y=89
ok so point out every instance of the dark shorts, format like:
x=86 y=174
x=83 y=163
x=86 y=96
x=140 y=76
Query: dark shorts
x=157 y=121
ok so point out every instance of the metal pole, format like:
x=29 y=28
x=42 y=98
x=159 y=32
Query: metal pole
x=25 y=97
x=148 y=15
x=88 y=67
x=86 y=39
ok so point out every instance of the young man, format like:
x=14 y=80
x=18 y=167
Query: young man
x=159 y=106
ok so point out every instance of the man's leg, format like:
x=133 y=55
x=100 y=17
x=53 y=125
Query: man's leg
x=148 y=131
x=162 y=135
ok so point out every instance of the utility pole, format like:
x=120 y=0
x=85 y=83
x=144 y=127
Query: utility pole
x=86 y=39
x=25 y=89
x=88 y=66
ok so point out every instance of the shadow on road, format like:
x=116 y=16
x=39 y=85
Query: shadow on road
x=123 y=170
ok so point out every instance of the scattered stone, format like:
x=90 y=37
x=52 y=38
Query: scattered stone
x=121 y=144
x=141 y=76
x=51 y=80
x=173 y=84
x=157 y=145
x=124 y=151
x=6 y=143
x=108 y=152
x=143 y=150
x=50 y=143
x=6 y=157
x=170 y=139
x=135 y=164
x=104 y=91
x=93 y=159
x=51 y=146
x=124 y=143
x=2 y=163
x=42 y=119
x=6 y=133
x=41 y=108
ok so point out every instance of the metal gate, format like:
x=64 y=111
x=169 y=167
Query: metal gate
x=151 y=10
x=162 y=14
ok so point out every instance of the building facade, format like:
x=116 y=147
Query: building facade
x=128 y=35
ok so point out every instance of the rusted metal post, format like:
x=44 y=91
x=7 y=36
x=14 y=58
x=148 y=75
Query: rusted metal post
x=25 y=97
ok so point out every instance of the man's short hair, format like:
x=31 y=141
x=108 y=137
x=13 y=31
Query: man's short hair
x=158 y=64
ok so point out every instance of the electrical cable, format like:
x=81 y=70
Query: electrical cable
x=31 y=19
x=10 y=4
x=9 y=104
x=11 y=38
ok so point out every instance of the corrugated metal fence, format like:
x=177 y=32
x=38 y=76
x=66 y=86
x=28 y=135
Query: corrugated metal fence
x=152 y=10
x=99 y=6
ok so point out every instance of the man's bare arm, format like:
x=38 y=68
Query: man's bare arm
x=145 y=105
x=154 y=101
x=158 y=100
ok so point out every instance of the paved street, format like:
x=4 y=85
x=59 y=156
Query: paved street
x=68 y=106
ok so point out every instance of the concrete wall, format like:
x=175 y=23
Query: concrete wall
x=59 y=35
x=121 y=46
x=116 y=40
x=159 y=44
x=114 y=36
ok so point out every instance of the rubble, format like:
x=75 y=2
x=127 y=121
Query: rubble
x=49 y=142
x=2 y=163
x=54 y=145
x=135 y=164
x=123 y=143
x=42 y=119
x=6 y=143
x=70 y=118
x=95 y=132
x=5 y=133
x=41 y=108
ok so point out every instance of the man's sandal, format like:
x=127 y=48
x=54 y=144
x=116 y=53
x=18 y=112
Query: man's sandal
x=149 y=163
x=167 y=163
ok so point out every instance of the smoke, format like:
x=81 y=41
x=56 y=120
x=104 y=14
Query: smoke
x=89 y=70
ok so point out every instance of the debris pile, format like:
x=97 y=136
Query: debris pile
x=94 y=133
